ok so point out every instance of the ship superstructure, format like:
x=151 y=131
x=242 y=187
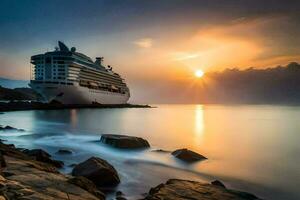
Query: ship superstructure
x=70 y=77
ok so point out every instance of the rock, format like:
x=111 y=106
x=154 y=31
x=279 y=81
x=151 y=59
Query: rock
x=218 y=183
x=161 y=151
x=97 y=170
x=188 y=155
x=187 y=190
x=87 y=185
x=7 y=174
x=124 y=141
x=120 y=196
x=38 y=153
x=43 y=156
x=2 y=161
x=32 y=183
x=10 y=128
x=64 y=151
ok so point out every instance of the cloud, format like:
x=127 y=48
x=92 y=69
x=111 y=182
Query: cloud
x=185 y=56
x=144 y=42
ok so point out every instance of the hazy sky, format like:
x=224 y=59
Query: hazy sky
x=155 y=45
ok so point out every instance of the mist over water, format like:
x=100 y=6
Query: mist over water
x=252 y=148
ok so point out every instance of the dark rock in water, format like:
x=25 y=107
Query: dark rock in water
x=161 y=151
x=10 y=128
x=64 y=151
x=187 y=155
x=187 y=190
x=97 y=170
x=124 y=141
x=120 y=196
x=87 y=185
x=218 y=183
x=43 y=156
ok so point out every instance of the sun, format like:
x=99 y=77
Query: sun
x=199 y=73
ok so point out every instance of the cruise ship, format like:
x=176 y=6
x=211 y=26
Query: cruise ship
x=70 y=77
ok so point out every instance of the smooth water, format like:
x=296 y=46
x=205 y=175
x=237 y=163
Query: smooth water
x=251 y=148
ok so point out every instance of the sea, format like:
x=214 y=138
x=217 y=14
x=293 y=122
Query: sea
x=253 y=148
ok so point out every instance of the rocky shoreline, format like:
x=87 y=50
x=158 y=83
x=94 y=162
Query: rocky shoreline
x=26 y=105
x=33 y=174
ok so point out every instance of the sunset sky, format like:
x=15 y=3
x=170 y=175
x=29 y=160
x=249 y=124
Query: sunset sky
x=154 y=45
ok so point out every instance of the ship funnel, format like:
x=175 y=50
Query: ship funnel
x=62 y=46
x=99 y=60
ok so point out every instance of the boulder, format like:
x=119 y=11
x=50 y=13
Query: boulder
x=187 y=190
x=218 y=183
x=43 y=156
x=188 y=155
x=2 y=161
x=124 y=141
x=99 y=171
x=87 y=185
x=10 y=128
x=64 y=151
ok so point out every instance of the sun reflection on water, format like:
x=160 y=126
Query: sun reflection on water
x=199 y=124
x=73 y=117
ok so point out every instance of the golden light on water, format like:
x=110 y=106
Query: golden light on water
x=199 y=73
x=199 y=124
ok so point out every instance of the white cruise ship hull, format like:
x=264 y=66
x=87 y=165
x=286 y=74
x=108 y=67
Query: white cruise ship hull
x=75 y=94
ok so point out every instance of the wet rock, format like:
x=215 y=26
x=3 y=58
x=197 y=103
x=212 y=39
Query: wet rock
x=120 y=196
x=64 y=151
x=2 y=161
x=43 y=156
x=10 y=128
x=187 y=190
x=218 y=183
x=161 y=151
x=87 y=185
x=124 y=141
x=188 y=155
x=97 y=170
